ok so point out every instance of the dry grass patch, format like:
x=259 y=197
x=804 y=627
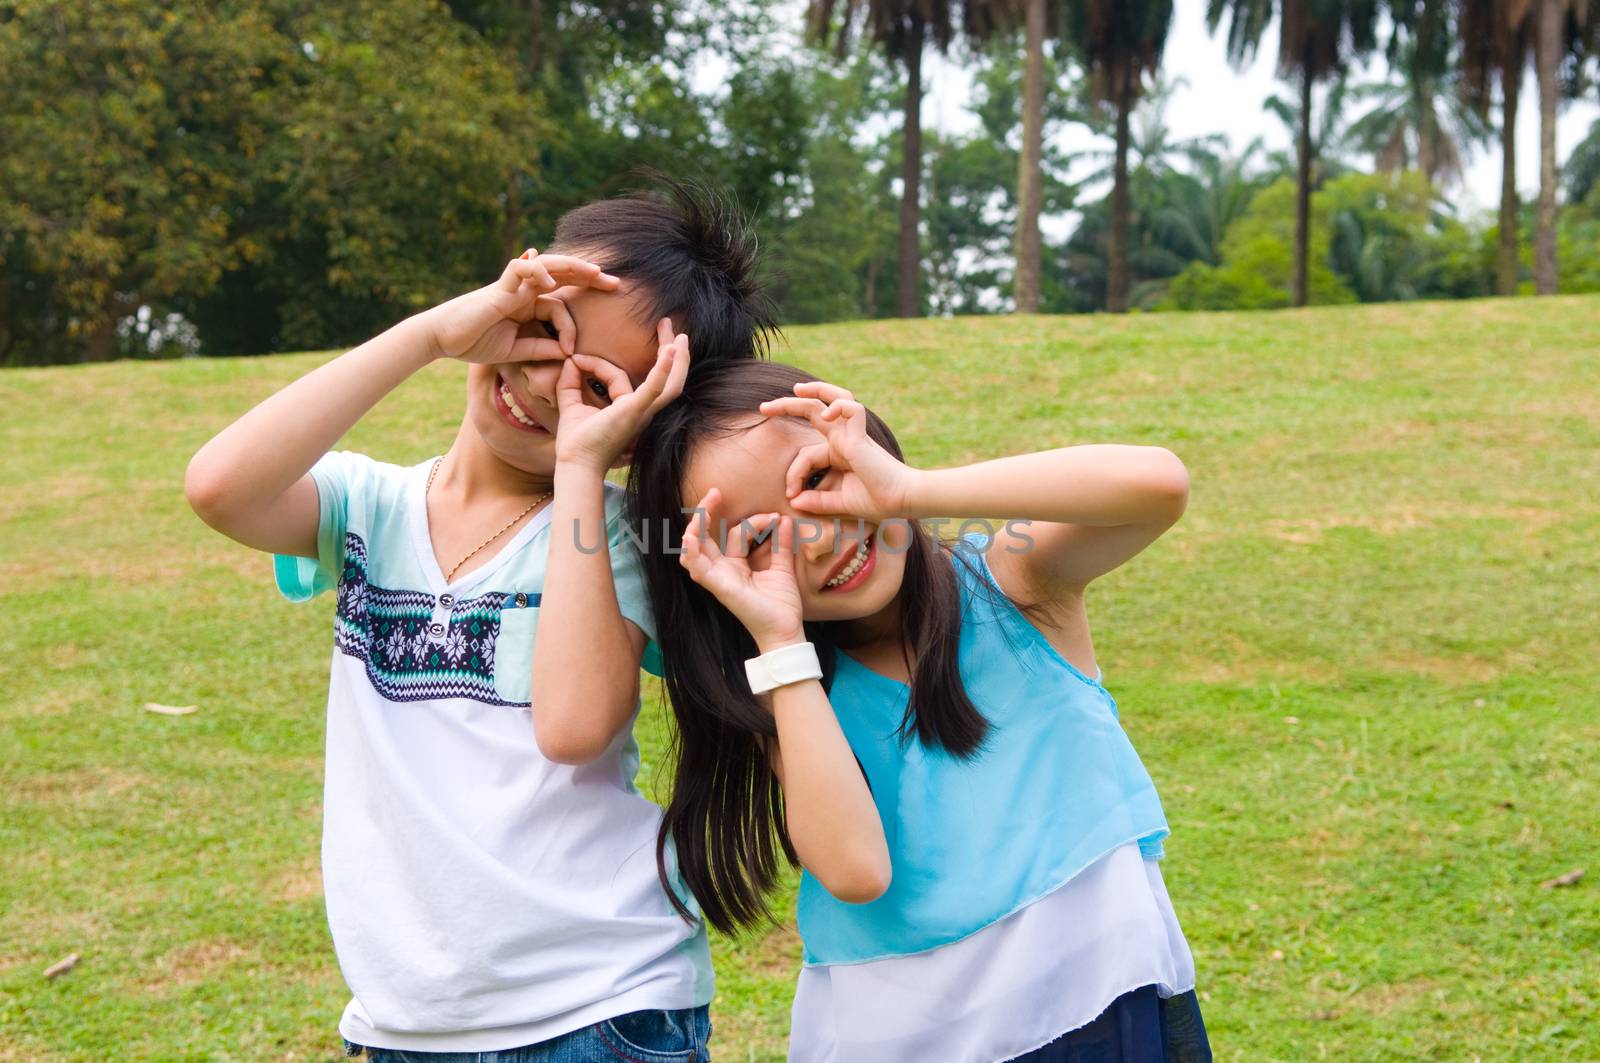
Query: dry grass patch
x=197 y=962
x=79 y=787
x=300 y=883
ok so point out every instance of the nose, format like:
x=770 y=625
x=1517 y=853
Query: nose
x=539 y=378
x=815 y=538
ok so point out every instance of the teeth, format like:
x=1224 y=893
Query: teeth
x=853 y=567
x=516 y=411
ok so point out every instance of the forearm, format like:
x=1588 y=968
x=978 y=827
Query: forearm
x=1094 y=484
x=263 y=453
x=828 y=807
x=585 y=665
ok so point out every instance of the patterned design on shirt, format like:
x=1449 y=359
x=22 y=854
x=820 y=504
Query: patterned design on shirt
x=388 y=629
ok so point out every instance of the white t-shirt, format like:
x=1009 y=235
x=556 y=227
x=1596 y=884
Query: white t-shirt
x=1012 y=987
x=480 y=896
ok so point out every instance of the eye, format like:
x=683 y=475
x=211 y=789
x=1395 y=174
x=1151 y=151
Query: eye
x=814 y=481
x=599 y=389
x=550 y=330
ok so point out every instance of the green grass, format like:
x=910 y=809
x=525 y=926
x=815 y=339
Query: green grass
x=1363 y=671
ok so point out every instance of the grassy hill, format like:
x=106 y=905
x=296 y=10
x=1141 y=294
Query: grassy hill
x=1362 y=670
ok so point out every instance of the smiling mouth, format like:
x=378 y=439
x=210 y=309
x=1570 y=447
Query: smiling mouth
x=854 y=571
x=513 y=413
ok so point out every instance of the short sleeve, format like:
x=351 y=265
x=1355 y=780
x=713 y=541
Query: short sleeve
x=302 y=578
x=627 y=575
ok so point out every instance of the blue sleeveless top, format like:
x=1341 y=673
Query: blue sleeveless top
x=1056 y=786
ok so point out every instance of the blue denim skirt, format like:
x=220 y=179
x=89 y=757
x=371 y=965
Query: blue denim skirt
x=680 y=1036
x=1137 y=1027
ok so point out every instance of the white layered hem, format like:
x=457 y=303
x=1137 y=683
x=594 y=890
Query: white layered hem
x=1012 y=987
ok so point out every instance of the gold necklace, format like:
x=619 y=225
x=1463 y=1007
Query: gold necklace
x=450 y=575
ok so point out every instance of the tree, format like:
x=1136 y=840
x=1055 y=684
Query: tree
x=1206 y=202
x=1121 y=42
x=974 y=207
x=1554 y=23
x=1583 y=166
x=1376 y=237
x=1496 y=39
x=1417 y=119
x=902 y=28
x=1330 y=139
x=270 y=172
x=1029 y=174
x=833 y=240
x=125 y=138
x=1316 y=40
x=565 y=56
x=1169 y=203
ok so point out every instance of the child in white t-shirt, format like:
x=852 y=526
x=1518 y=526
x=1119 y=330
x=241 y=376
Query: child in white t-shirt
x=489 y=866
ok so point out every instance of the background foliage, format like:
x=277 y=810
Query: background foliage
x=259 y=175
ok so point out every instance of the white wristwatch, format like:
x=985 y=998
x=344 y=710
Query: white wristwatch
x=786 y=664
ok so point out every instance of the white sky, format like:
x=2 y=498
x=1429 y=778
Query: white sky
x=1220 y=99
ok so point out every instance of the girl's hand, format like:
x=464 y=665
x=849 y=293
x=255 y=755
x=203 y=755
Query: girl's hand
x=515 y=319
x=847 y=474
x=597 y=437
x=765 y=600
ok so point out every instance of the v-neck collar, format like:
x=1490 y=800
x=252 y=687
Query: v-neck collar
x=873 y=672
x=422 y=537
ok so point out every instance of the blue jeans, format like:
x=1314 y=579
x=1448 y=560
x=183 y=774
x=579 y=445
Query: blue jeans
x=638 y=1037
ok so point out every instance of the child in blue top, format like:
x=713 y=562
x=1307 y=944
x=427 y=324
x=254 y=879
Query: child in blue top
x=923 y=727
x=487 y=861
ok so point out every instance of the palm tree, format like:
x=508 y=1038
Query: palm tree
x=902 y=28
x=1152 y=147
x=1496 y=38
x=1546 y=56
x=1558 y=27
x=1316 y=39
x=984 y=20
x=1121 y=42
x=1207 y=200
x=1582 y=171
x=1030 y=177
x=1418 y=120
x=1330 y=139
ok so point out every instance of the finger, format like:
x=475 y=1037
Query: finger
x=820 y=502
x=664 y=332
x=750 y=533
x=691 y=557
x=676 y=376
x=569 y=385
x=532 y=272
x=553 y=310
x=843 y=408
x=694 y=539
x=808 y=460
x=707 y=517
x=738 y=544
x=510 y=278
x=821 y=389
x=783 y=546
x=655 y=382
x=577 y=271
x=792 y=407
x=612 y=376
x=536 y=349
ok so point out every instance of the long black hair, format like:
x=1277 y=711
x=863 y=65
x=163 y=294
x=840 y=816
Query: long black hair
x=725 y=817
